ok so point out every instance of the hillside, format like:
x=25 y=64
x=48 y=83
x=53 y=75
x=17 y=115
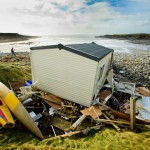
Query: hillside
x=13 y=37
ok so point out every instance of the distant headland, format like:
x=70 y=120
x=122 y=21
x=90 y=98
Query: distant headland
x=13 y=37
x=139 y=38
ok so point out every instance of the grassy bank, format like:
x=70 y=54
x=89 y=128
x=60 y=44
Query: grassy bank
x=106 y=139
x=14 y=72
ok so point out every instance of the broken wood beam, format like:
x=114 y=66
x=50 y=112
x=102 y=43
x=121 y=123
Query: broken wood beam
x=73 y=133
x=123 y=122
x=117 y=128
x=143 y=91
x=132 y=113
x=122 y=115
x=65 y=135
x=65 y=115
x=115 y=121
x=78 y=122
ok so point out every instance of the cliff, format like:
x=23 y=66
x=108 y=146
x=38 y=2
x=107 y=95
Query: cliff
x=13 y=37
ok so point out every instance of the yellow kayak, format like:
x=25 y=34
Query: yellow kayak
x=19 y=110
x=6 y=119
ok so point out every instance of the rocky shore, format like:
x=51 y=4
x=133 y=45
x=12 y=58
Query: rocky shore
x=133 y=66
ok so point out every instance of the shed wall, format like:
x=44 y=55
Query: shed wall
x=64 y=74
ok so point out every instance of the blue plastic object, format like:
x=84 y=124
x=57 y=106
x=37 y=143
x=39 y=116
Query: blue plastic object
x=28 y=83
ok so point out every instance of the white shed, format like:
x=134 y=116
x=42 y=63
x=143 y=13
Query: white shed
x=74 y=72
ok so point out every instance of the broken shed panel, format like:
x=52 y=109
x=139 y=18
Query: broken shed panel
x=102 y=70
x=67 y=71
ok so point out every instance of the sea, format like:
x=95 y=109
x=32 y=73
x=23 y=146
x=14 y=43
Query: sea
x=119 y=46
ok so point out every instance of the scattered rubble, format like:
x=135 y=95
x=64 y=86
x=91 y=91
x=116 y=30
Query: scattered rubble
x=57 y=117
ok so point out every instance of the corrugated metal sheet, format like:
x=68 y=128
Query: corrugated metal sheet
x=145 y=113
x=64 y=74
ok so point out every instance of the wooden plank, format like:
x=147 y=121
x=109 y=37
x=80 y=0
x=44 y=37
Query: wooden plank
x=143 y=91
x=123 y=123
x=132 y=113
x=117 y=128
x=115 y=121
x=61 y=123
x=52 y=98
x=93 y=111
x=73 y=133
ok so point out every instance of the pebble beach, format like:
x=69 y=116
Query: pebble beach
x=134 y=66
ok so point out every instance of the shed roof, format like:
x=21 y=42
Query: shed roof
x=89 y=50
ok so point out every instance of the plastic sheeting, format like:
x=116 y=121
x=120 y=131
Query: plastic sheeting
x=145 y=113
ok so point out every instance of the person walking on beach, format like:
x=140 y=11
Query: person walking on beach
x=13 y=52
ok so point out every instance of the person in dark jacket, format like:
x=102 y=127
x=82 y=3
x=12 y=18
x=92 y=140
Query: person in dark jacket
x=13 y=52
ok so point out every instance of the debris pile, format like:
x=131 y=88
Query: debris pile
x=127 y=106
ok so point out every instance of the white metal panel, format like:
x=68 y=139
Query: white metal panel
x=64 y=74
x=145 y=113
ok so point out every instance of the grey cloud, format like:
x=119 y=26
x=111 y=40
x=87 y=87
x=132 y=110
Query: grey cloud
x=39 y=7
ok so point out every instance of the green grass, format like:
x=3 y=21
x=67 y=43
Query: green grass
x=12 y=72
x=105 y=139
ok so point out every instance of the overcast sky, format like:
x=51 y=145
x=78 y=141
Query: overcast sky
x=48 y=17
